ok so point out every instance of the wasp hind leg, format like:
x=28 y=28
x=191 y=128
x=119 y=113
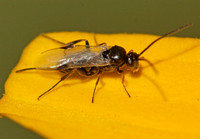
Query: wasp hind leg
x=68 y=45
x=54 y=40
x=21 y=70
x=62 y=78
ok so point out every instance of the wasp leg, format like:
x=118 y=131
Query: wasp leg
x=123 y=79
x=59 y=42
x=25 y=69
x=95 y=40
x=64 y=77
x=67 y=45
x=102 y=44
x=99 y=74
x=71 y=44
x=88 y=71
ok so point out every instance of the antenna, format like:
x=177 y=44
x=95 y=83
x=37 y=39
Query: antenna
x=167 y=34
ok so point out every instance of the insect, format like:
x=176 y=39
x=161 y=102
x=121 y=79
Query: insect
x=88 y=60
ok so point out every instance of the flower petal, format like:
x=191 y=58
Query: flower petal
x=163 y=105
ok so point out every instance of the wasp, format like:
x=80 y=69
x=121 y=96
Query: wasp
x=88 y=60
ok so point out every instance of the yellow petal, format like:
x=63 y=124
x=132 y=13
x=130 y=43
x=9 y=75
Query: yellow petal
x=67 y=111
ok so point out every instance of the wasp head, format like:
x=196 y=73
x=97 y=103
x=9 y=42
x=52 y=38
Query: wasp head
x=132 y=60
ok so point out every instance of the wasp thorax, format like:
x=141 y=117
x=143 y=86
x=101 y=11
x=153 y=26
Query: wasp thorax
x=132 y=60
x=117 y=54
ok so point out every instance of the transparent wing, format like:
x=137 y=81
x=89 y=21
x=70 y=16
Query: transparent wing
x=73 y=58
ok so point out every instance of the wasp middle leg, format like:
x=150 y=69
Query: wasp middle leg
x=90 y=72
x=99 y=75
x=97 y=44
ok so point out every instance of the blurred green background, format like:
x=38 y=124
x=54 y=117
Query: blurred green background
x=22 y=20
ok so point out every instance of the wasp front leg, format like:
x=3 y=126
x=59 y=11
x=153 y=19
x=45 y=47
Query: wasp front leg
x=123 y=79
